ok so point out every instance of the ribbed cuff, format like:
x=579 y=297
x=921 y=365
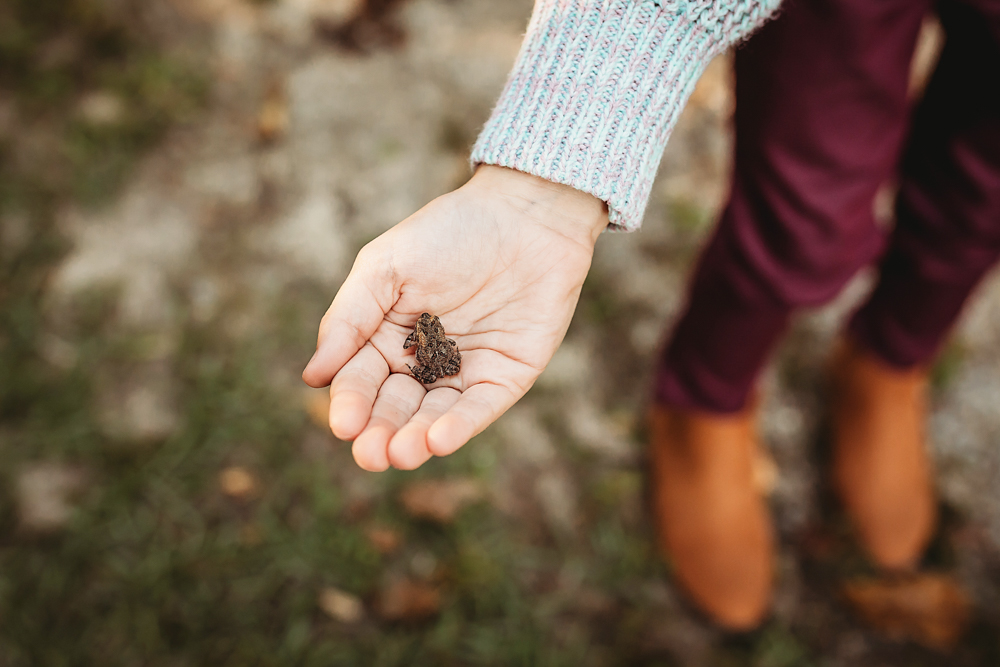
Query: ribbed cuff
x=597 y=89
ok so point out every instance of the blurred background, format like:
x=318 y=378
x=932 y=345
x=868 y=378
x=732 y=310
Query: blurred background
x=183 y=186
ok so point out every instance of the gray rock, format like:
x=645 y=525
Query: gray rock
x=140 y=406
x=557 y=495
x=45 y=493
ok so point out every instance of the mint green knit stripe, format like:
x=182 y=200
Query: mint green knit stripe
x=593 y=150
x=549 y=105
x=573 y=77
x=585 y=142
x=616 y=166
x=655 y=48
x=529 y=80
x=598 y=86
x=535 y=127
x=612 y=99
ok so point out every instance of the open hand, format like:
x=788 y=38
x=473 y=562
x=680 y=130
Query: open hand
x=501 y=261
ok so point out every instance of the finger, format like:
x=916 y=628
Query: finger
x=397 y=401
x=350 y=321
x=478 y=407
x=408 y=448
x=353 y=391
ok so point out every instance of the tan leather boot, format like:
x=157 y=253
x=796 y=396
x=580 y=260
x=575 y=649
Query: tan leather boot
x=881 y=469
x=712 y=522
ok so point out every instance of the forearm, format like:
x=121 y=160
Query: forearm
x=597 y=89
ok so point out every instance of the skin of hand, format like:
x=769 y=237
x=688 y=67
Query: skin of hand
x=501 y=260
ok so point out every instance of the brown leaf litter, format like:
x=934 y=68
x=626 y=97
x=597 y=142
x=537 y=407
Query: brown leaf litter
x=931 y=609
x=373 y=25
x=272 y=117
x=405 y=599
x=440 y=500
x=238 y=482
x=383 y=540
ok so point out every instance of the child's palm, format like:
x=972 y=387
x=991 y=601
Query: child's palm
x=505 y=284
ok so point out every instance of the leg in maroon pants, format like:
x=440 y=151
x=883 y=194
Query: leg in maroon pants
x=947 y=235
x=947 y=231
x=820 y=120
x=821 y=115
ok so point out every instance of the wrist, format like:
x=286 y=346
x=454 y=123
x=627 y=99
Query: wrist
x=568 y=211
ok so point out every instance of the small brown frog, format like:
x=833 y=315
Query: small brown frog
x=437 y=356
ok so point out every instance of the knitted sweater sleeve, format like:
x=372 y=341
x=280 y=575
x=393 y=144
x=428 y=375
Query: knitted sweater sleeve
x=598 y=86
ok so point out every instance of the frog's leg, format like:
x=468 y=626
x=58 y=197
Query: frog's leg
x=422 y=373
x=410 y=341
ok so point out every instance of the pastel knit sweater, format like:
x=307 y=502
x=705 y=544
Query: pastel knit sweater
x=597 y=88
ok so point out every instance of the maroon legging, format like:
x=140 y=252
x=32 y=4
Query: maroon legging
x=822 y=121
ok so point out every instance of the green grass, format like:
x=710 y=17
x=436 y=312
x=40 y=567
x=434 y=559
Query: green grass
x=157 y=566
x=53 y=54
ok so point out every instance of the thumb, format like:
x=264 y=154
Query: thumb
x=356 y=312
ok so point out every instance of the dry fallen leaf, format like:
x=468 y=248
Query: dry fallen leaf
x=372 y=24
x=237 y=482
x=340 y=605
x=334 y=12
x=272 y=119
x=251 y=535
x=714 y=90
x=408 y=600
x=440 y=499
x=384 y=540
x=317 y=406
x=930 y=609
